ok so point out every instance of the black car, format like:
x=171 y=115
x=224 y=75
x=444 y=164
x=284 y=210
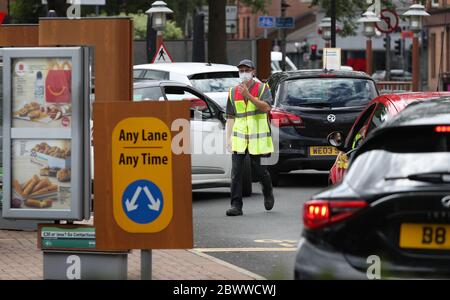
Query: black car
x=308 y=106
x=392 y=207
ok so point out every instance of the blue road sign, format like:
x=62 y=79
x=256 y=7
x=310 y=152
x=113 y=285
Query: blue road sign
x=266 y=22
x=287 y=22
x=142 y=202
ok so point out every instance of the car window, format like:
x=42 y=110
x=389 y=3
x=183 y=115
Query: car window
x=137 y=74
x=215 y=82
x=353 y=139
x=335 y=92
x=156 y=75
x=148 y=93
x=380 y=116
x=200 y=107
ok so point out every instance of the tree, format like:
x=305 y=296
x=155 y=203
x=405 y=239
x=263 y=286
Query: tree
x=217 y=35
x=347 y=12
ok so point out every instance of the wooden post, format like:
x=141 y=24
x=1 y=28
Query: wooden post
x=416 y=64
x=369 y=59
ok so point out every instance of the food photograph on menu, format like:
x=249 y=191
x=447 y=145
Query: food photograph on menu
x=41 y=93
x=41 y=174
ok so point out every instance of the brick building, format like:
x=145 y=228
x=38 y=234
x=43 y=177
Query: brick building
x=438 y=25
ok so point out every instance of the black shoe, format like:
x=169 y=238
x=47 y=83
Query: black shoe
x=269 y=200
x=234 y=211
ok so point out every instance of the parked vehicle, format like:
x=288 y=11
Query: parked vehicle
x=397 y=213
x=396 y=75
x=276 y=58
x=208 y=169
x=308 y=106
x=376 y=113
x=214 y=80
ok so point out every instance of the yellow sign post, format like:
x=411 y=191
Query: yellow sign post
x=136 y=204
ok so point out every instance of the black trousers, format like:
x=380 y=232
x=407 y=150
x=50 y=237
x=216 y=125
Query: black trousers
x=259 y=173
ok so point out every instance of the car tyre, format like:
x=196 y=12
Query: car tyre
x=247 y=177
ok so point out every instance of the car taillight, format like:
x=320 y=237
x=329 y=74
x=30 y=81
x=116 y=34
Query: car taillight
x=319 y=213
x=281 y=118
x=442 y=129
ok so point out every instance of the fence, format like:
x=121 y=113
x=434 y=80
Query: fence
x=394 y=86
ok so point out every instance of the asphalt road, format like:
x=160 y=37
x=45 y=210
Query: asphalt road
x=259 y=241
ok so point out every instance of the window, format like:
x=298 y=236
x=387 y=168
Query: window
x=447 y=49
x=380 y=116
x=149 y=93
x=215 y=82
x=156 y=75
x=328 y=92
x=199 y=105
x=355 y=134
x=137 y=74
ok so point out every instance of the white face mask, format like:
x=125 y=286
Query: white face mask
x=245 y=77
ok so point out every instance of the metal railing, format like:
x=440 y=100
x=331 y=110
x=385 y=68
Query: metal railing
x=394 y=86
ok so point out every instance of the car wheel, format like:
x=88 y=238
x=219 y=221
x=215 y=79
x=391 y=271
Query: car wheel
x=247 y=178
x=275 y=176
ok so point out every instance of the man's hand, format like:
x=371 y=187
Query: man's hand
x=229 y=145
x=245 y=92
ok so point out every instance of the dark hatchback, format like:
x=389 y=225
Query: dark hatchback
x=392 y=207
x=308 y=106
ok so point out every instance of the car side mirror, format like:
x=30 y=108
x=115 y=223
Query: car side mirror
x=336 y=139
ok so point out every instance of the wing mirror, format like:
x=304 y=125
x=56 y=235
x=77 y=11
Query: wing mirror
x=336 y=139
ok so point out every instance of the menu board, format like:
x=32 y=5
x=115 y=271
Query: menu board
x=44 y=110
x=41 y=92
x=41 y=174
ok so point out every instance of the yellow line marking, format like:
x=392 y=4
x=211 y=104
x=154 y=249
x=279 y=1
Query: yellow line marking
x=205 y=250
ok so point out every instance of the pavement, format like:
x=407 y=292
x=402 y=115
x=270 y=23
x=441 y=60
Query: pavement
x=21 y=260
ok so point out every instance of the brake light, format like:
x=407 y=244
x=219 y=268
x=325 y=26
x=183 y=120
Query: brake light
x=319 y=213
x=281 y=118
x=442 y=129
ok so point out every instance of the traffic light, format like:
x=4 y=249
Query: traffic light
x=385 y=43
x=398 y=47
x=313 y=52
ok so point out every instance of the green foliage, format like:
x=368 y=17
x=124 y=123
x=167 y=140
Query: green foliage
x=171 y=32
x=347 y=12
x=27 y=11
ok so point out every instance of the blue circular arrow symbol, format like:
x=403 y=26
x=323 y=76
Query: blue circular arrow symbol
x=142 y=201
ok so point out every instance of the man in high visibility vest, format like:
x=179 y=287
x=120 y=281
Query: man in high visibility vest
x=248 y=133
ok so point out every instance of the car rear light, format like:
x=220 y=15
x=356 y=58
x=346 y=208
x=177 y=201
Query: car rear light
x=319 y=213
x=442 y=129
x=281 y=118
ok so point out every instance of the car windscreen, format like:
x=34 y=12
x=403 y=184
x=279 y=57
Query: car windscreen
x=331 y=92
x=215 y=82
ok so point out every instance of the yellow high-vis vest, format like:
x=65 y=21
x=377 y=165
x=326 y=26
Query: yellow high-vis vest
x=251 y=128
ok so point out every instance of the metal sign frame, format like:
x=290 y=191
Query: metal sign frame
x=80 y=205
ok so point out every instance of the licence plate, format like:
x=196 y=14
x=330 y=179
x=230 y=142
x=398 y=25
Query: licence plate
x=323 y=151
x=425 y=236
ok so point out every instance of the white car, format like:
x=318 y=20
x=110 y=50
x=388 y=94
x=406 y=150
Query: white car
x=211 y=163
x=214 y=80
x=276 y=58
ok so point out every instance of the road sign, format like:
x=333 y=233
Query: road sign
x=137 y=204
x=266 y=22
x=389 y=21
x=142 y=175
x=162 y=56
x=332 y=58
x=287 y=22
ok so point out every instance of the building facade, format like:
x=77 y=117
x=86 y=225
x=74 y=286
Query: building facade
x=438 y=27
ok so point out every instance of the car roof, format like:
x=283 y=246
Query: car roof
x=188 y=69
x=431 y=112
x=402 y=100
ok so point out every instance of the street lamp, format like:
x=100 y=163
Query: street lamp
x=415 y=13
x=158 y=13
x=325 y=30
x=369 y=19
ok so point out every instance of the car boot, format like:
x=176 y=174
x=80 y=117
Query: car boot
x=234 y=211
x=267 y=189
